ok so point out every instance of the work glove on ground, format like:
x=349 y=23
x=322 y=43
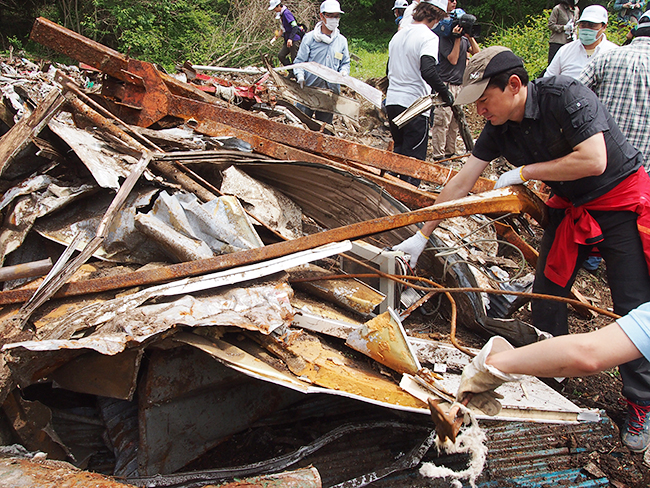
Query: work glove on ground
x=481 y=379
x=413 y=246
x=512 y=177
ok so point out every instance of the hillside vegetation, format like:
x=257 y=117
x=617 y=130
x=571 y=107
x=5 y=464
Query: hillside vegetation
x=236 y=33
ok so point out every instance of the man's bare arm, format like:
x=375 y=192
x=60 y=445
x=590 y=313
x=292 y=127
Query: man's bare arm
x=589 y=158
x=569 y=355
x=455 y=51
x=473 y=45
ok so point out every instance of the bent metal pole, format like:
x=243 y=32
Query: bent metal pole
x=516 y=199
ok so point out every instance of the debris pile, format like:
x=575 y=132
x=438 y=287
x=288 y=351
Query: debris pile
x=185 y=241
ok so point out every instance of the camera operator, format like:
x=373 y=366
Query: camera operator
x=455 y=47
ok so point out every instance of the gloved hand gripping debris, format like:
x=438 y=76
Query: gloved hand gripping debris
x=481 y=379
x=413 y=246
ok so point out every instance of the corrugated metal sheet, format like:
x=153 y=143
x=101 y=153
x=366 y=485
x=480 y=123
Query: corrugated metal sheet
x=521 y=454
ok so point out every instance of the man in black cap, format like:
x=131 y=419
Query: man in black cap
x=556 y=130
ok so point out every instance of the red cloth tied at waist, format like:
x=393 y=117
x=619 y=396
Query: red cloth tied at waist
x=579 y=227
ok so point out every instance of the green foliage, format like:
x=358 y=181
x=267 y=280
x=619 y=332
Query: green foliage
x=371 y=64
x=502 y=14
x=15 y=42
x=528 y=41
x=160 y=31
x=616 y=31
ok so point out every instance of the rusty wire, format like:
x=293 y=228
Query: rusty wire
x=406 y=281
x=452 y=302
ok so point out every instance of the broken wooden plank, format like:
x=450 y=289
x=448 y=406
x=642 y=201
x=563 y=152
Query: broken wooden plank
x=57 y=278
x=20 y=135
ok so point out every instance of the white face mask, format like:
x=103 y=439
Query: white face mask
x=331 y=24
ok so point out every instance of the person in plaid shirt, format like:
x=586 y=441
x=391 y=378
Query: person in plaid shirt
x=621 y=80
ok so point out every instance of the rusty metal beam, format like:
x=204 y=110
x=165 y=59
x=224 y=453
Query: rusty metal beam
x=144 y=92
x=25 y=270
x=315 y=142
x=78 y=47
x=404 y=192
x=147 y=95
x=508 y=233
x=504 y=200
x=531 y=255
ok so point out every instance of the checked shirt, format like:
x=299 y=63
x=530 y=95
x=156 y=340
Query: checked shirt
x=620 y=78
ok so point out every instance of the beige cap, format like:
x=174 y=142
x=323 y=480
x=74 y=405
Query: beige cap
x=483 y=65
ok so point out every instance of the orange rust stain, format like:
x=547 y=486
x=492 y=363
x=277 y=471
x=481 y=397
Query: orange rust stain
x=324 y=368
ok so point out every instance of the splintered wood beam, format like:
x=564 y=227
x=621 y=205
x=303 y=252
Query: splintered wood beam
x=27 y=128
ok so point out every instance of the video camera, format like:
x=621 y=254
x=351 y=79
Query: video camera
x=458 y=16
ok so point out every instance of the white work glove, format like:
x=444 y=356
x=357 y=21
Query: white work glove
x=301 y=80
x=481 y=379
x=413 y=246
x=568 y=27
x=512 y=177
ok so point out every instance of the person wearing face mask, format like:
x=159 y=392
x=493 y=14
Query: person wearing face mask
x=398 y=10
x=621 y=79
x=327 y=46
x=572 y=57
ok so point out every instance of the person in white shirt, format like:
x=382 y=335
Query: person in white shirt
x=327 y=46
x=413 y=73
x=573 y=57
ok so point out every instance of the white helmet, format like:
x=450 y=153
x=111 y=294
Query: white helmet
x=273 y=4
x=331 y=7
x=400 y=4
x=441 y=4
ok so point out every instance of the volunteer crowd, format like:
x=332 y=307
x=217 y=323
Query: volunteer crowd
x=581 y=128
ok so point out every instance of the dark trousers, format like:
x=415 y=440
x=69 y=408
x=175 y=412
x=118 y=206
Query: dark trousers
x=411 y=140
x=553 y=48
x=627 y=275
x=293 y=51
x=326 y=117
